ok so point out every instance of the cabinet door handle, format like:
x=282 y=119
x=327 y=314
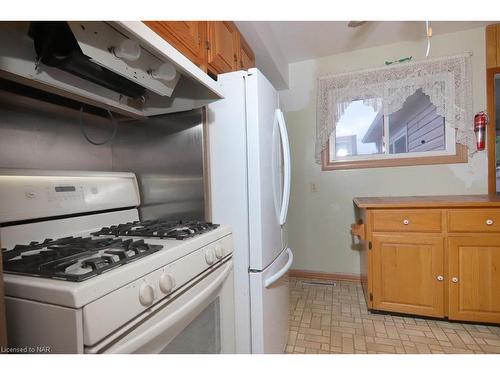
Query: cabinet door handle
x=489 y=222
x=440 y=278
x=406 y=221
x=454 y=279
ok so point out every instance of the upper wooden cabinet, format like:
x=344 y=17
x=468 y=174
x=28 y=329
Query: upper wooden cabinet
x=223 y=47
x=188 y=37
x=215 y=46
x=247 y=57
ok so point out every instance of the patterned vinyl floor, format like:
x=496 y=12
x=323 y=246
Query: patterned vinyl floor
x=334 y=319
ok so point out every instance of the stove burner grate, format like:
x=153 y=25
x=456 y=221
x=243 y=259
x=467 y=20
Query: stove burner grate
x=74 y=258
x=158 y=228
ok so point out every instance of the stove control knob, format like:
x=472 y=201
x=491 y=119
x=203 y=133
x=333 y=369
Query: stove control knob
x=210 y=256
x=167 y=283
x=219 y=251
x=30 y=194
x=146 y=294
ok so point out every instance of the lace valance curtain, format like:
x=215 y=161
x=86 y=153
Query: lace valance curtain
x=447 y=81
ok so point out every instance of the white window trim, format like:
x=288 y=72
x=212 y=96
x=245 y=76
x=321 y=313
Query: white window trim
x=400 y=134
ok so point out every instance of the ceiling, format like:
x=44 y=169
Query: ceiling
x=309 y=40
x=285 y=42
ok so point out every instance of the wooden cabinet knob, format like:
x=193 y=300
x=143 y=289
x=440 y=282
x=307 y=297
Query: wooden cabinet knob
x=489 y=222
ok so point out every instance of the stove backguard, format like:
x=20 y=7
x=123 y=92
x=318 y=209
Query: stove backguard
x=165 y=152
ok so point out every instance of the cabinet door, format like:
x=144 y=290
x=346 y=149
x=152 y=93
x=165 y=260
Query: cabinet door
x=188 y=37
x=407 y=274
x=474 y=285
x=247 y=57
x=222 y=47
x=493 y=46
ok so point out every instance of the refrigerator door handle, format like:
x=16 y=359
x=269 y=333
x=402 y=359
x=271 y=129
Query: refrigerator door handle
x=271 y=280
x=286 y=166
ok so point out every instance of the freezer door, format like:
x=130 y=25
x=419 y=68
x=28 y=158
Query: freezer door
x=269 y=305
x=264 y=186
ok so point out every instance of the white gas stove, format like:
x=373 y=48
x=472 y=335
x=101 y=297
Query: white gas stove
x=84 y=275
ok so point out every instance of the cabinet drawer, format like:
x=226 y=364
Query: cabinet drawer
x=485 y=220
x=406 y=220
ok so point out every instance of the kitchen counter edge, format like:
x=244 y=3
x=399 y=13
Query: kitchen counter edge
x=435 y=201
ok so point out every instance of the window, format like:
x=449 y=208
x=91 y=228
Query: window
x=383 y=117
x=415 y=134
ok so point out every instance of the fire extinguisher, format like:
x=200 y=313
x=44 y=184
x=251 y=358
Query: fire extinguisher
x=480 y=121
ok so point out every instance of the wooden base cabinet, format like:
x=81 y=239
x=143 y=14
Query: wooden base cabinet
x=474 y=278
x=408 y=274
x=431 y=256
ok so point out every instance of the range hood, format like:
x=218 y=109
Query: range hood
x=121 y=66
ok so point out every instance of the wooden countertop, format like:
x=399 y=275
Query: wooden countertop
x=441 y=201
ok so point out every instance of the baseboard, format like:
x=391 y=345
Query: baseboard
x=304 y=274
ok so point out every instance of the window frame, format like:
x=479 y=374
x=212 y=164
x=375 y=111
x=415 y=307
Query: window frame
x=403 y=133
x=453 y=153
x=460 y=156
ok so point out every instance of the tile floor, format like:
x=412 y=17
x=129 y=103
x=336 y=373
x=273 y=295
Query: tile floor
x=334 y=319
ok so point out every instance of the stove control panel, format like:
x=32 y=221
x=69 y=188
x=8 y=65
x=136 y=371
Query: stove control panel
x=115 y=309
x=25 y=197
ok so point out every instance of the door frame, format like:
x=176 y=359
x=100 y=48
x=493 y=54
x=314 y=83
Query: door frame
x=491 y=129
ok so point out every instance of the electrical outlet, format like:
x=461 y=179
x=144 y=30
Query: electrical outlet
x=314 y=187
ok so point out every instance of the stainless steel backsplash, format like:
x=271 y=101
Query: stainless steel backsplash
x=165 y=152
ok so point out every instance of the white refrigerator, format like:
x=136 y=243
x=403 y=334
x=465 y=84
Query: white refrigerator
x=249 y=158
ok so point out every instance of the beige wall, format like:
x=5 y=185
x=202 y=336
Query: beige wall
x=319 y=222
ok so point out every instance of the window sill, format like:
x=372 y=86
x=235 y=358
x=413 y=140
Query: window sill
x=461 y=156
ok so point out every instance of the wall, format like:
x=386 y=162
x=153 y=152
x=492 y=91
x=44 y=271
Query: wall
x=319 y=222
x=165 y=152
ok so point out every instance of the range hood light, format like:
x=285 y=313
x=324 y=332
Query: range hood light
x=128 y=50
x=165 y=72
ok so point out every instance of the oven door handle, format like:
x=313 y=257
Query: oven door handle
x=278 y=275
x=173 y=319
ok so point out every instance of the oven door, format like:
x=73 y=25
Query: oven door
x=199 y=320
